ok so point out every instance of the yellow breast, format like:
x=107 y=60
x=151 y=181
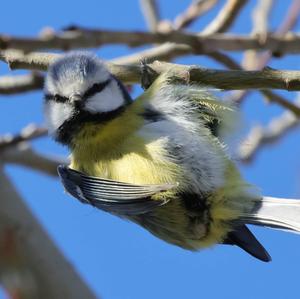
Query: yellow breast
x=116 y=151
x=144 y=166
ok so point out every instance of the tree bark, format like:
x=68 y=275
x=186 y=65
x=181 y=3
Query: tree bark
x=31 y=266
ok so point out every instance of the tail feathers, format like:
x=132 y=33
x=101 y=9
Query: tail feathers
x=277 y=213
x=242 y=237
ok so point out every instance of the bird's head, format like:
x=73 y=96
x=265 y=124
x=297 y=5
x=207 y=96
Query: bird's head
x=79 y=88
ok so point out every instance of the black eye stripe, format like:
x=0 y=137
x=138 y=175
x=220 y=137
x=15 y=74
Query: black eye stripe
x=56 y=98
x=48 y=97
x=97 y=87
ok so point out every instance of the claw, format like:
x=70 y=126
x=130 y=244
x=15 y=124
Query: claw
x=147 y=74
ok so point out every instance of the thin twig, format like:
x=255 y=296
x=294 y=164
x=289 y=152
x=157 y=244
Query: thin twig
x=225 y=60
x=260 y=17
x=225 y=18
x=261 y=136
x=164 y=52
x=287 y=24
x=281 y=101
x=194 y=11
x=260 y=60
x=151 y=13
x=260 y=20
x=168 y=51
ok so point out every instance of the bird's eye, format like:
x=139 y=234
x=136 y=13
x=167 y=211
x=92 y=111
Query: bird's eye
x=60 y=99
x=56 y=98
x=97 y=87
x=48 y=97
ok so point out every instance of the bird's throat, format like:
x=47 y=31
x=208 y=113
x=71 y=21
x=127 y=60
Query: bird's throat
x=66 y=133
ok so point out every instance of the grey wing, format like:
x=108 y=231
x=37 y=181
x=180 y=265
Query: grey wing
x=111 y=196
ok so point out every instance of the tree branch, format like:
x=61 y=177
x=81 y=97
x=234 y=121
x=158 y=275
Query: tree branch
x=227 y=80
x=16 y=150
x=21 y=83
x=164 y=52
x=88 y=38
x=22 y=154
x=256 y=61
x=225 y=18
x=261 y=136
x=281 y=101
x=269 y=95
x=32 y=61
x=28 y=133
x=286 y=25
x=42 y=270
x=260 y=17
x=222 y=58
x=194 y=11
x=168 y=51
x=151 y=13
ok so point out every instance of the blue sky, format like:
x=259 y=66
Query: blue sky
x=118 y=259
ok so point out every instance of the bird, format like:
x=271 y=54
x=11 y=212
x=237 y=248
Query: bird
x=158 y=160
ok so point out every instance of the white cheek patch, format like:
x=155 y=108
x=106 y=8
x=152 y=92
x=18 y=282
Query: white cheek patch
x=107 y=100
x=56 y=114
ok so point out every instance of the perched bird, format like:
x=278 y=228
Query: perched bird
x=158 y=160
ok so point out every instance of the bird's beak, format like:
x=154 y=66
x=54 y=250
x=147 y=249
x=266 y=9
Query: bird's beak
x=75 y=98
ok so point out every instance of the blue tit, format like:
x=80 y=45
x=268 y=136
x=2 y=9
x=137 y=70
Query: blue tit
x=158 y=160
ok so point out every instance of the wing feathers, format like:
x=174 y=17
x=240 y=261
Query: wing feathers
x=112 y=196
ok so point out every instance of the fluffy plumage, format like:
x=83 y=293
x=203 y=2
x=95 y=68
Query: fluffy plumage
x=72 y=88
x=169 y=135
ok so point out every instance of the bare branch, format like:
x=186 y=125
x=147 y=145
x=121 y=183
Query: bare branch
x=151 y=13
x=169 y=51
x=222 y=58
x=287 y=24
x=28 y=255
x=270 y=95
x=290 y=19
x=28 y=133
x=85 y=38
x=227 y=80
x=22 y=154
x=195 y=10
x=260 y=17
x=281 y=101
x=260 y=136
x=225 y=18
x=21 y=83
x=225 y=60
x=32 y=61
x=256 y=61
x=164 y=52
x=14 y=149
